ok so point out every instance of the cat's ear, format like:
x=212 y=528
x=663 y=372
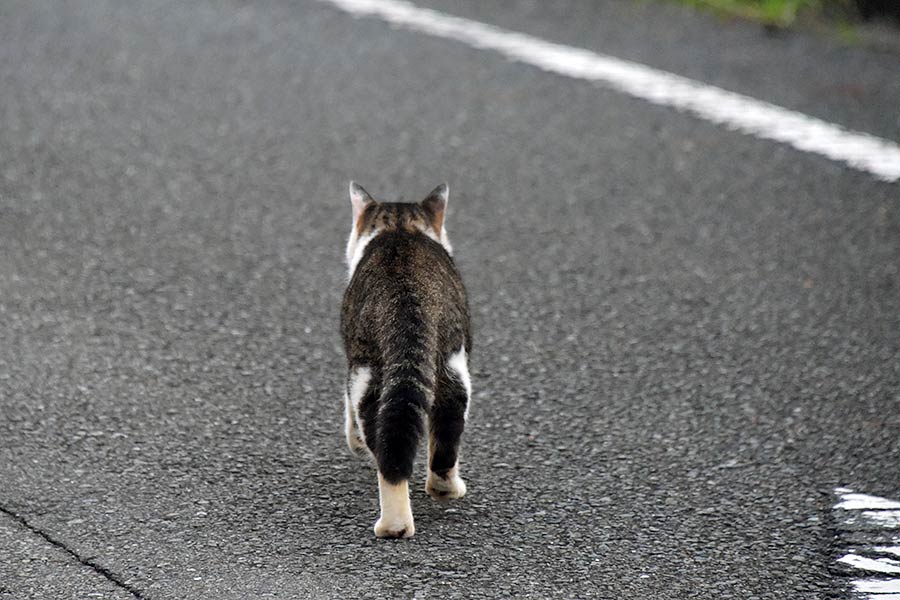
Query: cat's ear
x=360 y=199
x=435 y=205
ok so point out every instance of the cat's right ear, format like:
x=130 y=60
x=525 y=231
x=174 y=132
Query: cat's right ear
x=360 y=199
x=435 y=205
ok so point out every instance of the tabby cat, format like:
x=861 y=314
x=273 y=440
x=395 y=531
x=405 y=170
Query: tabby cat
x=405 y=327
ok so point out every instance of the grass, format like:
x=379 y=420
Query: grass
x=776 y=13
x=840 y=19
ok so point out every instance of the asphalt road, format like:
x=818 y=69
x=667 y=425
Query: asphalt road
x=685 y=338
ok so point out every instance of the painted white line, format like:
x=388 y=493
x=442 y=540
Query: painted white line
x=885 y=519
x=881 y=514
x=861 y=151
x=879 y=565
x=877 y=586
x=851 y=501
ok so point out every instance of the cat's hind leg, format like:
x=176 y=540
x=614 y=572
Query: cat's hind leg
x=362 y=415
x=358 y=393
x=447 y=421
x=401 y=410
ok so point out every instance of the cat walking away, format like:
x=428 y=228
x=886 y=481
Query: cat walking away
x=405 y=326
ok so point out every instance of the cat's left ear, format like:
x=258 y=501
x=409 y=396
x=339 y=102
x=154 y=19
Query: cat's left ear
x=435 y=205
x=360 y=199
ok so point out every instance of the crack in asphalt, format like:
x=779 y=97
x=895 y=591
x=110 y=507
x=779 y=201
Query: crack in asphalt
x=101 y=570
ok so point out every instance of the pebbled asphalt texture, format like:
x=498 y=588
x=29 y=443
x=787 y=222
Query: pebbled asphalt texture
x=684 y=337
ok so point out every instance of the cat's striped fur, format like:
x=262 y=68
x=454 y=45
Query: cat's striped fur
x=405 y=326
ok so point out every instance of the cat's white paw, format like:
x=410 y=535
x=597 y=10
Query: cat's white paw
x=451 y=488
x=402 y=527
x=396 y=512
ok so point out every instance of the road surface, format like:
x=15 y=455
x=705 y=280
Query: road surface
x=685 y=337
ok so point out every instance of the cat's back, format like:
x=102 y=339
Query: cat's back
x=402 y=272
x=398 y=263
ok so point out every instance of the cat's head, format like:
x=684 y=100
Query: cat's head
x=371 y=217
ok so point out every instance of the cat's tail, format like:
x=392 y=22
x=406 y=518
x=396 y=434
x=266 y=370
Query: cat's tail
x=407 y=393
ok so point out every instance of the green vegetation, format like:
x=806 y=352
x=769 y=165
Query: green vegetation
x=845 y=20
x=777 y=13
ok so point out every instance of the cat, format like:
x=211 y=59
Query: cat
x=406 y=333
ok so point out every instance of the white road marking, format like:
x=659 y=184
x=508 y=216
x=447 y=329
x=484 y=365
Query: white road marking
x=851 y=501
x=886 y=519
x=871 y=516
x=879 y=565
x=877 y=587
x=861 y=151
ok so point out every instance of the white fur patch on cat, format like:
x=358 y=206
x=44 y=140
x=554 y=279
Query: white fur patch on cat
x=356 y=248
x=458 y=364
x=445 y=241
x=356 y=389
x=446 y=488
x=396 y=513
x=441 y=239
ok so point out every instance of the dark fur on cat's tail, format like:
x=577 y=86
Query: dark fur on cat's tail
x=405 y=325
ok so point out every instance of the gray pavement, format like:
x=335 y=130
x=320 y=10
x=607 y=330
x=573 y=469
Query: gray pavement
x=35 y=567
x=685 y=338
